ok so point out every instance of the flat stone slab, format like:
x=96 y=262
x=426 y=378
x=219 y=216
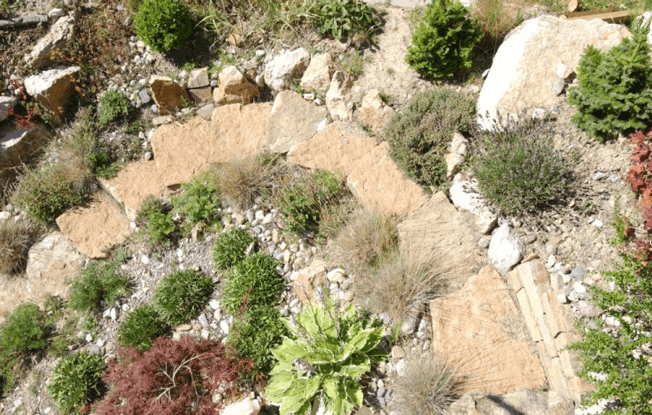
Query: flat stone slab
x=440 y=233
x=480 y=331
x=81 y=226
x=372 y=176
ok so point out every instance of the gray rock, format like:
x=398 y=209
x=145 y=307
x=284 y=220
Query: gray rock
x=578 y=273
x=53 y=89
x=559 y=86
x=56 y=40
x=588 y=309
x=144 y=97
x=5 y=104
x=465 y=195
x=505 y=250
x=284 y=67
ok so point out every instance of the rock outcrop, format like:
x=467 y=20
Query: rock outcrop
x=292 y=121
x=524 y=401
x=524 y=70
x=279 y=70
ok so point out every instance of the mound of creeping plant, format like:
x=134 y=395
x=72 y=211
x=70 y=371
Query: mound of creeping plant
x=326 y=361
x=443 y=44
x=615 y=92
x=253 y=281
x=181 y=295
x=229 y=248
x=76 y=381
x=141 y=327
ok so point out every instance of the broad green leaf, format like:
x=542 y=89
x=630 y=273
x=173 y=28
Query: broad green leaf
x=289 y=351
x=304 y=409
x=277 y=386
x=358 y=342
x=354 y=394
x=373 y=340
x=291 y=404
x=311 y=388
x=320 y=357
x=331 y=385
x=280 y=367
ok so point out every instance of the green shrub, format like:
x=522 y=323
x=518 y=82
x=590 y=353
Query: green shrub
x=443 y=44
x=342 y=19
x=24 y=331
x=47 y=191
x=141 y=327
x=156 y=218
x=113 y=106
x=100 y=284
x=229 y=248
x=615 y=91
x=76 y=381
x=330 y=355
x=624 y=356
x=420 y=135
x=254 y=281
x=520 y=172
x=255 y=333
x=199 y=201
x=301 y=202
x=181 y=295
x=163 y=24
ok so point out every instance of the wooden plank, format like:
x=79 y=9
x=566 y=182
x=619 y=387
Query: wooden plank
x=611 y=16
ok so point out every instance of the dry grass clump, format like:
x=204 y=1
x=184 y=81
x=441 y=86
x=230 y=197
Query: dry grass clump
x=427 y=387
x=368 y=237
x=243 y=181
x=15 y=240
x=399 y=285
x=495 y=19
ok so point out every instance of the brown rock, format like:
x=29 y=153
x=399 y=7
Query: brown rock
x=378 y=183
x=439 y=231
x=234 y=88
x=16 y=149
x=53 y=89
x=480 y=330
x=201 y=95
x=131 y=186
x=97 y=228
x=307 y=279
x=168 y=95
x=50 y=263
x=318 y=74
x=292 y=121
x=519 y=402
x=374 y=113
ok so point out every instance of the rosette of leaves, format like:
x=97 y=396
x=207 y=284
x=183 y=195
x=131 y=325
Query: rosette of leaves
x=615 y=88
x=325 y=362
x=340 y=19
x=443 y=44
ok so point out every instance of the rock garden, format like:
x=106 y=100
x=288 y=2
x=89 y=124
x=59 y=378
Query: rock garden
x=325 y=206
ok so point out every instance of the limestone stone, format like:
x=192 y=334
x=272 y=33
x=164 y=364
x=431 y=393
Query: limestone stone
x=247 y=406
x=53 y=89
x=286 y=66
x=318 y=74
x=505 y=250
x=234 y=88
x=306 y=279
x=198 y=78
x=480 y=329
x=81 y=226
x=441 y=233
x=5 y=104
x=378 y=183
x=131 y=186
x=50 y=262
x=523 y=72
x=465 y=195
x=455 y=157
x=206 y=112
x=523 y=401
x=292 y=121
x=338 y=97
x=57 y=39
x=168 y=95
x=374 y=113
x=16 y=149
x=528 y=316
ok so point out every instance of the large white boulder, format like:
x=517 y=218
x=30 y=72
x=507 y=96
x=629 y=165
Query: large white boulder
x=524 y=71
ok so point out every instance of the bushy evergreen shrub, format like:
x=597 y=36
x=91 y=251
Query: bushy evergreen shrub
x=442 y=45
x=253 y=282
x=141 y=327
x=615 y=88
x=163 y=24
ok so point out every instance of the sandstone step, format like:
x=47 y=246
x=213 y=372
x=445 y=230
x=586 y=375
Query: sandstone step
x=479 y=329
x=96 y=228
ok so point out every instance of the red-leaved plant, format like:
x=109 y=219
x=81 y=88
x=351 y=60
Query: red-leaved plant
x=173 y=377
x=640 y=174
